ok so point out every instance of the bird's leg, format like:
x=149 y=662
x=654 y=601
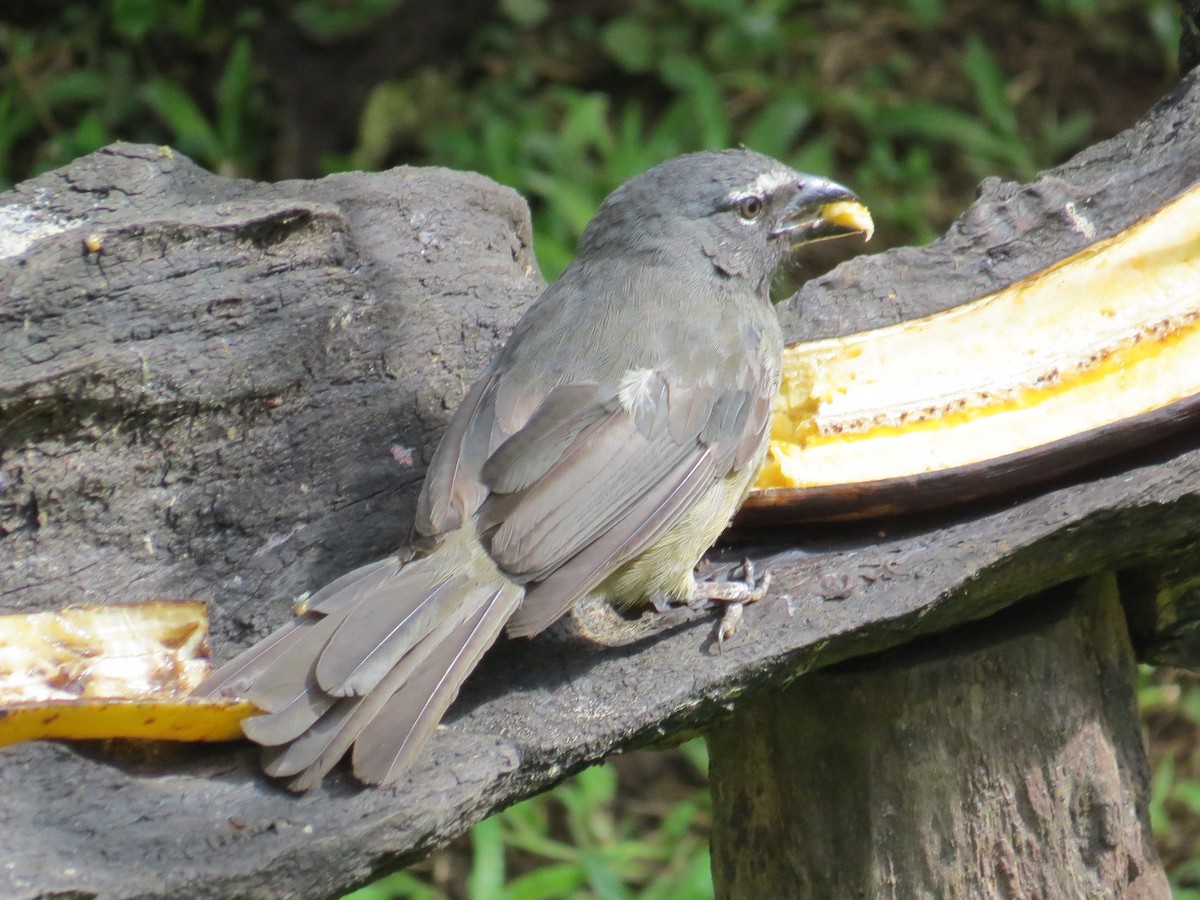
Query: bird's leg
x=735 y=594
x=594 y=619
x=747 y=589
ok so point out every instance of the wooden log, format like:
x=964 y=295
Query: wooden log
x=1001 y=759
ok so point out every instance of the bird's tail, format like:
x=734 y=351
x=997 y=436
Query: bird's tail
x=374 y=662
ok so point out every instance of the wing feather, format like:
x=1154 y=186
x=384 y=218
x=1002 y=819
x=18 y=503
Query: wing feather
x=578 y=500
x=531 y=452
x=647 y=520
x=451 y=491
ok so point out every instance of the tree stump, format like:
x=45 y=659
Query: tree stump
x=1000 y=759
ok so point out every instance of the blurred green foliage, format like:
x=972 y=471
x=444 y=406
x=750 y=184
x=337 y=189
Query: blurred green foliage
x=911 y=101
x=582 y=841
x=702 y=74
x=128 y=70
x=1170 y=704
x=905 y=99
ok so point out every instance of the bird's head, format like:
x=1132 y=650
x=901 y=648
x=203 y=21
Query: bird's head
x=744 y=211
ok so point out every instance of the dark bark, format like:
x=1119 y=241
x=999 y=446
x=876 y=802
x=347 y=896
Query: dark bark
x=1189 y=38
x=1163 y=604
x=1003 y=759
x=219 y=403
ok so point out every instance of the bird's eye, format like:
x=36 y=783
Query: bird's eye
x=750 y=208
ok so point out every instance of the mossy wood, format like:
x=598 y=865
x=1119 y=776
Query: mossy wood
x=226 y=390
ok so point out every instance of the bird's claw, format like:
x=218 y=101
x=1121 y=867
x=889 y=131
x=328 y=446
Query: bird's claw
x=735 y=594
x=731 y=621
x=750 y=588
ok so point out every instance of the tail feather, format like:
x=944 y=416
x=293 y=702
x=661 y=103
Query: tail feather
x=295 y=755
x=392 y=739
x=244 y=672
x=320 y=746
x=282 y=682
x=382 y=641
x=235 y=676
x=367 y=645
x=277 y=678
x=289 y=722
x=354 y=585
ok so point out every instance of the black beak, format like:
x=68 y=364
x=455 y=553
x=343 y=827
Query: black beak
x=823 y=209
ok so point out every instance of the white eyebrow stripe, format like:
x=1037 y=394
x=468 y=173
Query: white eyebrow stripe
x=765 y=184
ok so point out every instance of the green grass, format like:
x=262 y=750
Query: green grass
x=586 y=839
x=1170 y=705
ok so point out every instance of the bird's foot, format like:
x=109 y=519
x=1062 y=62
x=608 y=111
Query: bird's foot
x=735 y=594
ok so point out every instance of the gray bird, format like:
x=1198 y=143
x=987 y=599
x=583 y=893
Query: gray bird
x=598 y=456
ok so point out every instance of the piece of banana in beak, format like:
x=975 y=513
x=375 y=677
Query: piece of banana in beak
x=851 y=215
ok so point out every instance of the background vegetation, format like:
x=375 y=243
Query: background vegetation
x=912 y=102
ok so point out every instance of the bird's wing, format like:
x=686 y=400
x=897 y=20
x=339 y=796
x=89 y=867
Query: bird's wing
x=451 y=491
x=598 y=474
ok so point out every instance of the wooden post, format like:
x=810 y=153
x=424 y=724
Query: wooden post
x=1003 y=759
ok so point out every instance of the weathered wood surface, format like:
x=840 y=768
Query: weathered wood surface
x=220 y=403
x=1003 y=759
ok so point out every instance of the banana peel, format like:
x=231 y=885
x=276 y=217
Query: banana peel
x=124 y=671
x=1095 y=354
